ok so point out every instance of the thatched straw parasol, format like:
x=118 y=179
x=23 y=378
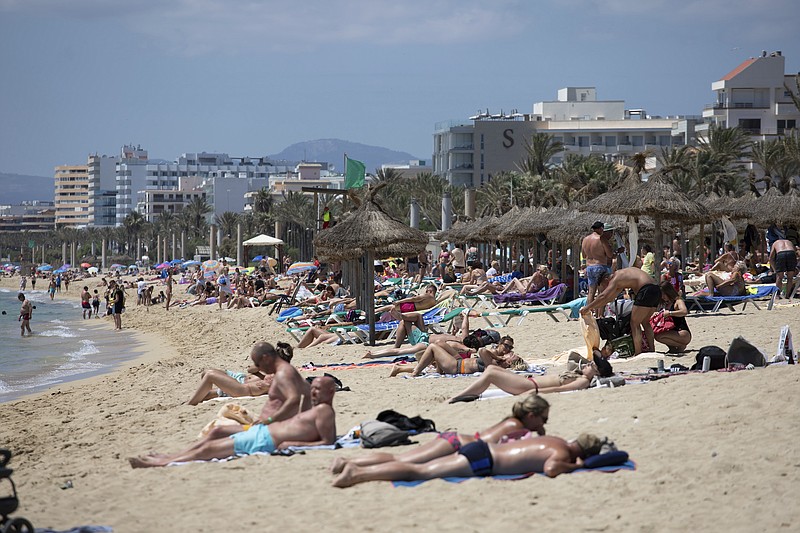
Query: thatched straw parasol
x=741 y=206
x=366 y=232
x=656 y=199
x=776 y=208
x=533 y=221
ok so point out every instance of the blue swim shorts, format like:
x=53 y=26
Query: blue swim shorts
x=416 y=336
x=238 y=376
x=593 y=273
x=255 y=439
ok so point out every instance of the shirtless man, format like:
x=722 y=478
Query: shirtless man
x=646 y=301
x=783 y=260
x=548 y=455
x=312 y=427
x=255 y=382
x=86 y=302
x=411 y=309
x=727 y=261
x=596 y=249
x=25 y=313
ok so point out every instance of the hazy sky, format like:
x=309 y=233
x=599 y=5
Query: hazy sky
x=252 y=77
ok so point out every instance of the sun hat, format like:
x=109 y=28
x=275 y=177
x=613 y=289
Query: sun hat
x=608 y=227
x=597 y=224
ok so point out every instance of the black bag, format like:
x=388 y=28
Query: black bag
x=716 y=354
x=743 y=352
x=377 y=434
x=483 y=337
x=414 y=424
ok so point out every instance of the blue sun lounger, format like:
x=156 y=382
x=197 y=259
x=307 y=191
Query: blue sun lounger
x=704 y=304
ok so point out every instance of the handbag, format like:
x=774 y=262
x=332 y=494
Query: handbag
x=660 y=323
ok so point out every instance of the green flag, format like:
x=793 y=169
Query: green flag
x=354 y=173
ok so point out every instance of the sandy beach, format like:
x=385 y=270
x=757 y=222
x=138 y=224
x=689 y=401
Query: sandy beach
x=714 y=451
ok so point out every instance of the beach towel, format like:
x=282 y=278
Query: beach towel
x=627 y=465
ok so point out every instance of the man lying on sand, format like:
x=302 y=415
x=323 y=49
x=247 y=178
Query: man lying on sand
x=316 y=426
x=528 y=417
x=548 y=455
x=254 y=382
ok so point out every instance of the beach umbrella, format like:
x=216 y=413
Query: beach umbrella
x=365 y=233
x=262 y=240
x=300 y=266
x=655 y=198
x=162 y=266
x=176 y=262
x=257 y=258
x=132 y=267
x=66 y=266
x=59 y=271
x=44 y=268
x=117 y=265
x=777 y=208
x=92 y=270
x=85 y=265
x=191 y=263
x=211 y=264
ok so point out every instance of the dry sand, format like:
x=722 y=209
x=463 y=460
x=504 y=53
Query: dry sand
x=714 y=452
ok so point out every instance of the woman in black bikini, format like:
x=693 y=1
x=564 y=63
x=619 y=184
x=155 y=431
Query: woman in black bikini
x=529 y=416
x=674 y=307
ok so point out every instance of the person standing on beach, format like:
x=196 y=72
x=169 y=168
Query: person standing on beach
x=51 y=289
x=23 y=283
x=596 y=249
x=783 y=260
x=25 y=313
x=315 y=426
x=117 y=301
x=86 y=302
x=96 y=304
x=168 y=290
x=647 y=297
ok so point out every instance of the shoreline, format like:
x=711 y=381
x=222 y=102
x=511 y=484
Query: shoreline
x=694 y=438
x=141 y=348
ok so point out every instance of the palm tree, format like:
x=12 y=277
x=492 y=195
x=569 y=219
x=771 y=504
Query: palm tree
x=539 y=151
x=133 y=224
x=262 y=201
x=494 y=196
x=769 y=155
x=794 y=95
x=196 y=211
x=227 y=222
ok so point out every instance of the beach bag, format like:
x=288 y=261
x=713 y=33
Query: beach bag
x=661 y=323
x=743 y=352
x=377 y=434
x=716 y=354
x=483 y=337
x=414 y=424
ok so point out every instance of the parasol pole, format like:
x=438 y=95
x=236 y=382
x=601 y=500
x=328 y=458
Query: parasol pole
x=658 y=248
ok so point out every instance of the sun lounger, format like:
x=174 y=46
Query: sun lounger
x=703 y=304
x=546 y=297
x=502 y=317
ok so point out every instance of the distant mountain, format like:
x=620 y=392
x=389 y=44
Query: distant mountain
x=333 y=150
x=16 y=188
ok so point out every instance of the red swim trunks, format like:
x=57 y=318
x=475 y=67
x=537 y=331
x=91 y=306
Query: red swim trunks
x=408 y=307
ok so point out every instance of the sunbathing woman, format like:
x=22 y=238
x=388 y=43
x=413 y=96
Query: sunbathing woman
x=674 y=307
x=237 y=384
x=456 y=358
x=316 y=335
x=518 y=383
x=528 y=417
x=419 y=340
x=720 y=285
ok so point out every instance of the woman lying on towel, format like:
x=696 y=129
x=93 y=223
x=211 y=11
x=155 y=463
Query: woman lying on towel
x=455 y=358
x=528 y=417
x=720 y=284
x=237 y=384
x=577 y=379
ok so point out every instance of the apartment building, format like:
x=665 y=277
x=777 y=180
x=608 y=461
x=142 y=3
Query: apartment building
x=755 y=96
x=72 y=196
x=469 y=152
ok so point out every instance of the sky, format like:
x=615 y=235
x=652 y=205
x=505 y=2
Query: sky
x=251 y=77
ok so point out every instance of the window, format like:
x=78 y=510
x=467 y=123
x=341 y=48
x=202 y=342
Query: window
x=611 y=140
x=750 y=125
x=638 y=140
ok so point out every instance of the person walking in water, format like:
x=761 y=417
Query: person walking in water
x=25 y=313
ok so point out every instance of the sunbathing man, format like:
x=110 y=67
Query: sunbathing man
x=312 y=427
x=783 y=260
x=577 y=379
x=254 y=382
x=528 y=417
x=411 y=309
x=645 y=302
x=548 y=455
x=419 y=340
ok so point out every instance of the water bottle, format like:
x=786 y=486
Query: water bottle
x=706 y=363
x=660 y=366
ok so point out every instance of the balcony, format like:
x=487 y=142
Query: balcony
x=624 y=148
x=597 y=149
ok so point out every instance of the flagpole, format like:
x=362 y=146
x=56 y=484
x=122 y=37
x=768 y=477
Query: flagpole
x=344 y=196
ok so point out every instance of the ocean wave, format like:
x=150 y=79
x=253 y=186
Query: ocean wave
x=57 y=321
x=59 y=331
x=5 y=290
x=87 y=348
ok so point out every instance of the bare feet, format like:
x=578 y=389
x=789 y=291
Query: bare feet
x=396 y=369
x=143 y=462
x=346 y=478
x=368 y=355
x=338 y=465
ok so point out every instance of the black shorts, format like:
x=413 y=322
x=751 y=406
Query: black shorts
x=648 y=296
x=786 y=261
x=479 y=457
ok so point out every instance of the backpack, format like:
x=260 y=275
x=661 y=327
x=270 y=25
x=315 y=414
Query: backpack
x=716 y=354
x=415 y=424
x=377 y=434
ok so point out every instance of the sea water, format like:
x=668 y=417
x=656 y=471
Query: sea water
x=63 y=347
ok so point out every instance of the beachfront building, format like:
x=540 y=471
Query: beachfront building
x=756 y=97
x=130 y=176
x=28 y=216
x=102 y=190
x=469 y=152
x=411 y=169
x=72 y=196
